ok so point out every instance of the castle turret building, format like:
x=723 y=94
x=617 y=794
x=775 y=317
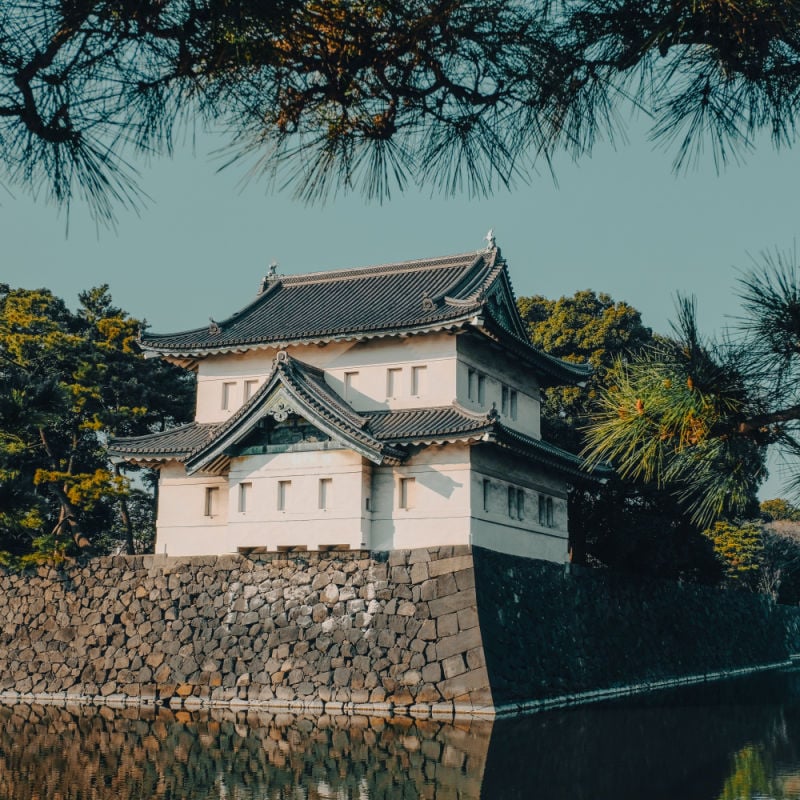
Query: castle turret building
x=381 y=408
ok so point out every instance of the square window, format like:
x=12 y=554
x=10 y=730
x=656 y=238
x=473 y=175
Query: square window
x=513 y=405
x=417 y=380
x=512 y=502
x=542 y=510
x=549 y=513
x=244 y=496
x=227 y=394
x=487 y=488
x=324 y=493
x=211 y=501
x=504 y=401
x=520 y=504
x=407 y=490
x=349 y=385
x=393 y=375
x=283 y=494
x=472 y=385
x=481 y=389
x=250 y=387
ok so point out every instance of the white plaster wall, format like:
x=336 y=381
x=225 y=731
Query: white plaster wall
x=235 y=368
x=345 y=521
x=500 y=370
x=494 y=527
x=182 y=527
x=440 y=514
x=447 y=506
x=519 y=542
x=370 y=359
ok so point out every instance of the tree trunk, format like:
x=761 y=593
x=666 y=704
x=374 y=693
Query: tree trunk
x=130 y=547
x=68 y=514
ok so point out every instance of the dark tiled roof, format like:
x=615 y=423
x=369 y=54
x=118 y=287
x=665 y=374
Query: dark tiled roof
x=425 y=423
x=326 y=305
x=550 y=371
x=549 y=454
x=178 y=443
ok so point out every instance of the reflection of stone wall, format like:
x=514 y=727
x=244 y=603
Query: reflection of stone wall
x=350 y=632
x=315 y=630
x=83 y=753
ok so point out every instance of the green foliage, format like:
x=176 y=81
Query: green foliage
x=380 y=94
x=638 y=528
x=68 y=381
x=752 y=776
x=779 y=509
x=632 y=526
x=740 y=549
x=585 y=327
x=682 y=414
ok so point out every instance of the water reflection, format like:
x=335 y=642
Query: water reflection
x=82 y=753
x=728 y=743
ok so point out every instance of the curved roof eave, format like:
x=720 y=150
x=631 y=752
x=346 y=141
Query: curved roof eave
x=277 y=344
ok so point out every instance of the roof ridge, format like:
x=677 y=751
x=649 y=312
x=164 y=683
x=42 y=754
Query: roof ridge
x=155 y=434
x=345 y=273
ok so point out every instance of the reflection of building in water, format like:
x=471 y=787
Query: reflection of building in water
x=385 y=408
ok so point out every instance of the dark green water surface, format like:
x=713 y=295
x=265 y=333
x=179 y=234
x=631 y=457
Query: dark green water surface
x=734 y=740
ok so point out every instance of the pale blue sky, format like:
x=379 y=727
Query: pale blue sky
x=618 y=222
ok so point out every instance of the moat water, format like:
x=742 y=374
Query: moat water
x=738 y=739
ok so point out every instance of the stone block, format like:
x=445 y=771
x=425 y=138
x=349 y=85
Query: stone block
x=476 y=658
x=432 y=673
x=468 y=618
x=451 y=603
x=398 y=557
x=341 y=676
x=445 y=585
x=406 y=609
x=419 y=573
x=452 y=666
x=411 y=678
x=445 y=565
x=400 y=575
x=460 y=643
x=447 y=625
x=475 y=680
x=465 y=579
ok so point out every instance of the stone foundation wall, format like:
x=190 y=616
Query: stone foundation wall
x=308 y=631
x=432 y=632
x=551 y=632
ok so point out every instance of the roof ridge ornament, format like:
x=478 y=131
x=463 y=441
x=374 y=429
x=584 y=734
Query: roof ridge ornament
x=427 y=302
x=213 y=327
x=493 y=415
x=491 y=243
x=272 y=275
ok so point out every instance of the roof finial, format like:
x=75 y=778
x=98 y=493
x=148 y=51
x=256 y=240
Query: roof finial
x=272 y=274
x=213 y=327
x=490 y=241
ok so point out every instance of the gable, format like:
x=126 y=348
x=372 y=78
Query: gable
x=292 y=390
x=502 y=305
x=278 y=431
